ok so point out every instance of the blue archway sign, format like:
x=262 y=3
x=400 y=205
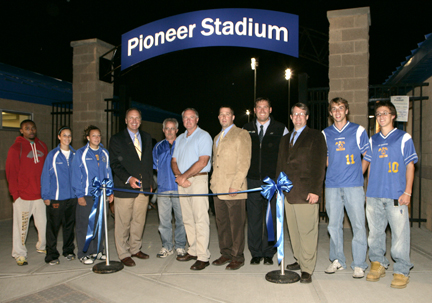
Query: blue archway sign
x=253 y=28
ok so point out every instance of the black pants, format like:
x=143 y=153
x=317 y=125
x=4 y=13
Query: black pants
x=256 y=205
x=60 y=212
x=82 y=220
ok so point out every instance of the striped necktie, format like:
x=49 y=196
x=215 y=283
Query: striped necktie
x=137 y=146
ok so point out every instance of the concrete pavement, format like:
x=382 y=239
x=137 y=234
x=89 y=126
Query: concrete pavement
x=167 y=280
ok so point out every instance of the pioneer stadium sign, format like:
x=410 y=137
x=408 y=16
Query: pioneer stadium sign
x=253 y=28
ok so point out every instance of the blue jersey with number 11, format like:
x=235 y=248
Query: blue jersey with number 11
x=390 y=156
x=344 y=150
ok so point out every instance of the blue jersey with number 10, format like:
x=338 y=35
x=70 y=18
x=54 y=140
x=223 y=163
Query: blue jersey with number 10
x=344 y=150
x=390 y=156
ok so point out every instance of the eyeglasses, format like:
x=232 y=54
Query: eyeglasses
x=385 y=114
x=299 y=114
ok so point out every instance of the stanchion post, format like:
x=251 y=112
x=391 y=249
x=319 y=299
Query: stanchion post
x=106 y=267
x=106 y=224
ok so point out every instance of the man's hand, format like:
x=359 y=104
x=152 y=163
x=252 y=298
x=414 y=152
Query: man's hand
x=232 y=190
x=133 y=182
x=47 y=202
x=111 y=199
x=312 y=198
x=82 y=201
x=404 y=199
x=181 y=180
x=186 y=184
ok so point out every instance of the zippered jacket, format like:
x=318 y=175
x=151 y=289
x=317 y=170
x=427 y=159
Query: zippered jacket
x=24 y=165
x=86 y=165
x=162 y=155
x=57 y=175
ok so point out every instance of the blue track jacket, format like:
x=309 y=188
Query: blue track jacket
x=56 y=176
x=88 y=164
x=162 y=154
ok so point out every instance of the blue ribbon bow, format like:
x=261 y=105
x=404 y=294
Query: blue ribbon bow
x=95 y=225
x=283 y=184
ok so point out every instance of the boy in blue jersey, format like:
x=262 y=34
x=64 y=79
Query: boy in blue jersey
x=391 y=177
x=346 y=143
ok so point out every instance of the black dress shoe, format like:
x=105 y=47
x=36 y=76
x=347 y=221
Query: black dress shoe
x=305 y=277
x=255 y=260
x=141 y=255
x=268 y=261
x=199 y=265
x=293 y=266
x=186 y=257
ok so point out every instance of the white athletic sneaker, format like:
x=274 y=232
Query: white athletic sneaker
x=163 y=253
x=180 y=252
x=99 y=256
x=87 y=260
x=332 y=268
x=358 y=273
x=54 y=262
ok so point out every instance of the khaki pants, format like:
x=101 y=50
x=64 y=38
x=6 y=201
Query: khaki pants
x=130 y=216
x=196 y=218
x=22 y=212
x=302 y=220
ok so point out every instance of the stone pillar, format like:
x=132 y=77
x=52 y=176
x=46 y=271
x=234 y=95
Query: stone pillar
x=89 y=92
x=349 y=60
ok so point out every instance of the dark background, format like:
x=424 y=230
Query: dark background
x=36 y=35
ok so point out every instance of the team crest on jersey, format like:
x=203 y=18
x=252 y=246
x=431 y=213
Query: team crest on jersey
x=340 y=145
x=383 y=151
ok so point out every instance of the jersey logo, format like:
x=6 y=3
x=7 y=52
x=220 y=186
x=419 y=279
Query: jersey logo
x=383 y=151
x=31 y=155
x=340 y=145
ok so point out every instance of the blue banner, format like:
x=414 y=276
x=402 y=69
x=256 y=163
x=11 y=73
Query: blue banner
x=253 y=28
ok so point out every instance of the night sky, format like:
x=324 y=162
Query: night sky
x=36 y=35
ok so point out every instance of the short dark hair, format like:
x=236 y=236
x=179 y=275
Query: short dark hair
x=227 y=106
x=131 y=109
x=173 y=120
x=387 y=104
x=302 y=106
x=259 y=99
x=338 y=100
x=26 y=121
x=89 y=129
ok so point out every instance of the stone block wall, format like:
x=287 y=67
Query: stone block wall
x=349 y=59
x=89 y=92
x=425 y=161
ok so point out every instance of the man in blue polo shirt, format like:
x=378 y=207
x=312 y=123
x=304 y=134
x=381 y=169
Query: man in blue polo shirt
x=346 y=143
x=162 y=154
x=191 y=165
x=391 y=176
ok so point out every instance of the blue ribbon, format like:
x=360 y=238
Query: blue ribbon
x=283 y=184
x=95 y=224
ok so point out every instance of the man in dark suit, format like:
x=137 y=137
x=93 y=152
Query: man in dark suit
x=302 y=156
x=265 y=133
x=131 y=162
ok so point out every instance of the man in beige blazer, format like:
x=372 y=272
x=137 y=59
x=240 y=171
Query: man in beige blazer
x=231 y=161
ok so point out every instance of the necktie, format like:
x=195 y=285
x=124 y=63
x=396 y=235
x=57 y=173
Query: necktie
x=291 y=144
x=261 y=133
x=137 y=146
x=220 y=139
